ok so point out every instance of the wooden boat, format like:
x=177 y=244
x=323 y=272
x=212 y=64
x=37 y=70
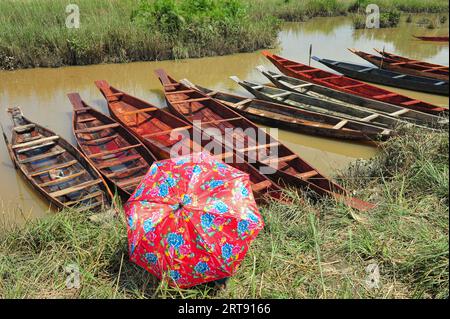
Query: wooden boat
x=433 y=39
x=415 y=69
x=116 y=153
x=348 y=85
x=292 y=118
x=378 y=123
x=169 y=136
x=324 y=93
x=385 y=77
x=55 y=168
x=272 y=158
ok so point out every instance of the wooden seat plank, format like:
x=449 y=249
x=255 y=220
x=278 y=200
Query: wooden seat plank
x=261 y=185
x=97 y=128
x=118 y=150
x=307 y=175
x=48 y=169
x=119 y=161
x=62 y=179
x=36 y=142
x=75 y=188
x=42 y=156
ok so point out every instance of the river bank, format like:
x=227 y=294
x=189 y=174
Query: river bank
x=299 y=254
x=34 y=34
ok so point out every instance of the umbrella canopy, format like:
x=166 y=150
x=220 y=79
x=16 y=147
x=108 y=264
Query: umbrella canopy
x=192 y=218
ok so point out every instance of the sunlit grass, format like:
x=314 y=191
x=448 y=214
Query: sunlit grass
x=306 y=250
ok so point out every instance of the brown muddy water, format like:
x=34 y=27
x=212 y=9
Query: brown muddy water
x=41 y=93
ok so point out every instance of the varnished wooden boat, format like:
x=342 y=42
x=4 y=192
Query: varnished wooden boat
x=116 y=153
x=324 y=93
x=55 y=168
x=385 y=77
x=415 y=68
x=380 y=124
x=291 y=118
x=169 y=136
x=349 y=85
x=272 y=158
x=432 y=39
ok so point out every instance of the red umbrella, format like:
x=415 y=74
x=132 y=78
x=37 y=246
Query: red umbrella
x=192 y=218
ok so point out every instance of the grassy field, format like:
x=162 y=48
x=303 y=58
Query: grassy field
x=305 y=250
x=33 y=32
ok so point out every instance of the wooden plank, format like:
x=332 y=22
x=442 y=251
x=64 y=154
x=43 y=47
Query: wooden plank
x=222 y=120
x=279 y=94
x=200 y=99
x=48 y=169
x=366 y=69
x=370 y=117
x=148 y=109
x=127 y=169
x=42 y=156
x=280 y=159
x=181 y=91
x=261 y=185
x=307 y=175
x=301 y=86
x=382 y=96
x=32 y=148
x=35 y=142
x=99 y=140
x=122 y=149
x=24 y=128
x=89 y=196
x=241 y=103
x=97 y=128
x=340 y=125
x=353 y=86
x=399 y=112
x=130 y=182
x=412 y=102
x=167 y=131
x=399 y=76
x=76 y=188
x=257 y=147
x=87 y=119
x=62 y=179
x=119 y=161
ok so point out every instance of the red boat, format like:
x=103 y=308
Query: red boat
x=207 y=113
x=433 y=39
x=348 y=85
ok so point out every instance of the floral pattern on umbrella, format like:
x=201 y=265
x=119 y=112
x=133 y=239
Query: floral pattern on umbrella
x=192 y=218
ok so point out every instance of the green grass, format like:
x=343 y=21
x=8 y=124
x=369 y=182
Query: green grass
x=33 y=32
x=305 y=250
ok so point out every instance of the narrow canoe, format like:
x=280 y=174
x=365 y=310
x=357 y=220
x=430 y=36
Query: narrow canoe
x=348 y=85
x=385 y=77
x=291 y=118
x=116 y=153
x=405 y=67
x=376 y=122
x=169 y=136
x=55 y=168
x=322 y=92
x=433 y=39
x=270 y=156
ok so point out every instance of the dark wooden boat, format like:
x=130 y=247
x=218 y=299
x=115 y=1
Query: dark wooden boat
x=385 y=77
x=349 y=85
x=412 y=68
x=324 y=93
x=169 y=136
x=433 y=39
x=292 y=118
x=272 y=158
x=116 y=153
x=55 y=168
x=377 y=123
